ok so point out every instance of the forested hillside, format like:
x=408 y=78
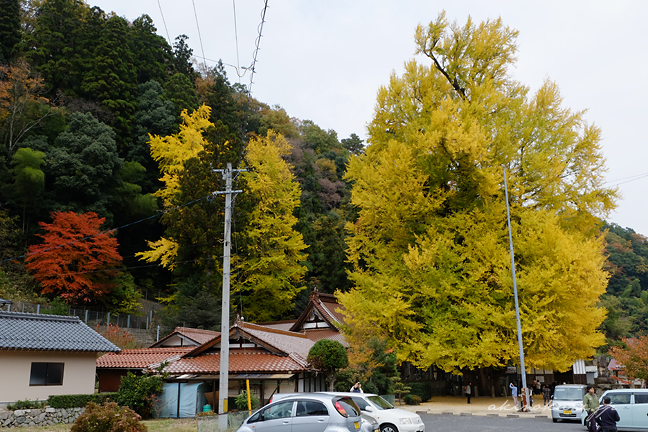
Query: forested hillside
x=108 y=128
x=111 y=134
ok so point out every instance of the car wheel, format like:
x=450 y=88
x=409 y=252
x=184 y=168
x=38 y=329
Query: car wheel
x=555 y=420
x=388 y=428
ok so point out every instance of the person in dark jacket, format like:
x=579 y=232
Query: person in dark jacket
x=607 y=416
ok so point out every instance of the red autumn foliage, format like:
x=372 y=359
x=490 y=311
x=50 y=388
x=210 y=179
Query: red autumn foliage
x=633 y=359
x=75 y=261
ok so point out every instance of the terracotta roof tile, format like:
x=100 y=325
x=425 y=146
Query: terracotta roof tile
x=139 y=358
x=239 y=362
x=295 y=344
x=280 y=325
x=199 y=335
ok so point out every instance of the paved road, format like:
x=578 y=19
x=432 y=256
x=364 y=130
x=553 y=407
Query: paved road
x=456 y=423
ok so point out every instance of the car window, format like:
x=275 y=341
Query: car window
x=363 y=404
x=311 y=408
x=568 y=393
x=380 y=403
x=276 y=411
x=619 y=398
x=641 y=398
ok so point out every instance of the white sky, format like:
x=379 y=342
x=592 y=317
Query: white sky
x=324 y=60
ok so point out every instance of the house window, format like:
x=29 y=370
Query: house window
x=46 y=374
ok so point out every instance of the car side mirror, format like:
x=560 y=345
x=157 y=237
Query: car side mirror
x=368 y=409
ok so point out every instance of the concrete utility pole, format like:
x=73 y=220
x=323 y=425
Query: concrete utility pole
x=515 y=295
x=225 y=313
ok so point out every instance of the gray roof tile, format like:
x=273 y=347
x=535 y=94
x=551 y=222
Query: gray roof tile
x=26 y=331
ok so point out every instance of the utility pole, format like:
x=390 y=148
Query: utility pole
x=515 y=295
x=225 y=312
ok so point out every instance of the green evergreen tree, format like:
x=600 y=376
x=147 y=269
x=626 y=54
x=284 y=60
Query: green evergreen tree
x=179 y=90
x=151 y=53
x=57 y=46
x=9 y=29
x=112 y=79
x=154 y=116
x=83 y=165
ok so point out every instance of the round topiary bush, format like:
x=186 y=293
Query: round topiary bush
x=108 y=417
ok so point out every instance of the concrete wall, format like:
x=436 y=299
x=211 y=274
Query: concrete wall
x=78 y=374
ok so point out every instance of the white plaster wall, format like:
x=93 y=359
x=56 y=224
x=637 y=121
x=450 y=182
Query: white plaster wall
x=15 y=368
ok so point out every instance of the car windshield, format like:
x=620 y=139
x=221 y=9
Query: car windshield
x=568 y=394
x=380 y=403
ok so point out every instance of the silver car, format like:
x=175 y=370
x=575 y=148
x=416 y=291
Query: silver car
x=306 y=412
x=567 y=402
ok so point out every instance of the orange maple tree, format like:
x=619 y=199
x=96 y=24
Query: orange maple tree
x=633 y=358
x=76 y=261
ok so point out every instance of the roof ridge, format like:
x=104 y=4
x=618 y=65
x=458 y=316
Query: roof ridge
x=273 y=330
x=191 y=329
x=42 y=317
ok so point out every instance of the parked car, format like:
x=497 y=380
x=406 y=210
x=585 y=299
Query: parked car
x=390 y=418
x=568 y=402
x=632 y=406
x=306 y=412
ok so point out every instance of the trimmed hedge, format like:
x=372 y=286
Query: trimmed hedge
x=421 y=389
x=80 y=400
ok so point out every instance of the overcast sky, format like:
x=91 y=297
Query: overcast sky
x=324 y=60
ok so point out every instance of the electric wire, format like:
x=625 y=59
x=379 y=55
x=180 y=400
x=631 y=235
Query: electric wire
x=198 y=27
x=164 y=22
x=257 y=43
x=238 y=63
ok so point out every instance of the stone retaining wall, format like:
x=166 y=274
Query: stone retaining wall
x=39 y=417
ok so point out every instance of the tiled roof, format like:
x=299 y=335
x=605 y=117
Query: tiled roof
x=281 y=325
x=247 y=361
x=26 y=331
x=326 y=306
x=295 y=344
x=199 y=336
x=317 y=334
x=139 y=358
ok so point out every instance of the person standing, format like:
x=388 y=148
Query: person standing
x=546 y=394
x=607 y=416
x=357 y=388
x=513 y=387
x=468 y=391
x=590 y=404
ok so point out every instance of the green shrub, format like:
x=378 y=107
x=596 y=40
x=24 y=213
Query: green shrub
x=139 y=392
x=412 y=399
x=80 y=400
x=242 y=402
x=26 y=404
x=108 y=417
x=422 y=390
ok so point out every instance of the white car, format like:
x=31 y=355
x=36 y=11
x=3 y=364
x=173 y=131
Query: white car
x=389 y=418
x=632 y=406
x=567 y=402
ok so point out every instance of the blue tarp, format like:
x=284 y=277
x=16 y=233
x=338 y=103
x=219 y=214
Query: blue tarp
x=188 y=393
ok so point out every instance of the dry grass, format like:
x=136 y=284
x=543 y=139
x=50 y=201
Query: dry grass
x=171 y=425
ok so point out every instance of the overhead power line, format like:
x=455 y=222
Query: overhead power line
x=198 y=27
x=258 y=42
x=164 y=22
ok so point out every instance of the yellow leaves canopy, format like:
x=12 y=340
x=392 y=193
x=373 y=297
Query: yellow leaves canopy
x=430 y=246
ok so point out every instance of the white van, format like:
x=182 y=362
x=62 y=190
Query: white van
x=632 y=406
x=568 y=402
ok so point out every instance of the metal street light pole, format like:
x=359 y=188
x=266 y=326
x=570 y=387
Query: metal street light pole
x=515 y=295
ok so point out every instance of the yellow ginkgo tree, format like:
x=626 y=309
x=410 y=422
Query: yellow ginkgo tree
x=172 y=152
x=429 y=250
